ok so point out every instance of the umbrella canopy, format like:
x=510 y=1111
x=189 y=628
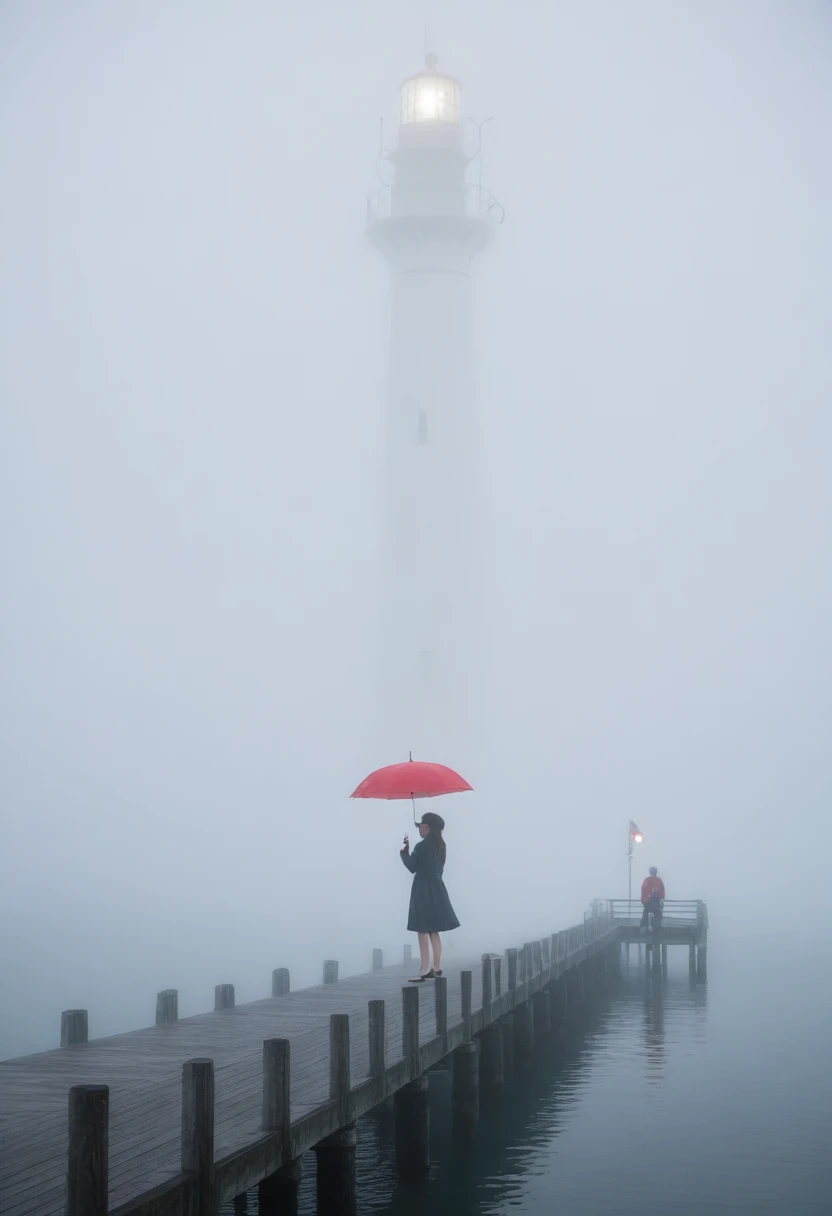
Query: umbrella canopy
x=411 y=779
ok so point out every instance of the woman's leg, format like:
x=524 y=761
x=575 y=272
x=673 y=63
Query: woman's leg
x=424 y=953
x=436 y=942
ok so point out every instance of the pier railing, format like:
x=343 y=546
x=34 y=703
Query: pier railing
x=675 y=912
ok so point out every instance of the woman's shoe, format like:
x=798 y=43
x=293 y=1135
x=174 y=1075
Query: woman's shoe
x=420 y=979
x=437 y=975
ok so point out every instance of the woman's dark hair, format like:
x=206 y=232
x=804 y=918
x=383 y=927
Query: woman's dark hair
x=436 y=823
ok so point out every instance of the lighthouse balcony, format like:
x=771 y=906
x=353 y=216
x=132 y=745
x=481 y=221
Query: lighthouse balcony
x=473 y=202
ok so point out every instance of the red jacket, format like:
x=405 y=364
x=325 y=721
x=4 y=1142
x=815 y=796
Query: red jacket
x=651 y=886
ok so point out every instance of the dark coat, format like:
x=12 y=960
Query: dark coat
x=430 y=908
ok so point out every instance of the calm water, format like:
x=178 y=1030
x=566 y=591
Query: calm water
x=716 y=1098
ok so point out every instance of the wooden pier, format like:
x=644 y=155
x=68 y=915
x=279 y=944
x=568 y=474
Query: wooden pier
x=191 y=1113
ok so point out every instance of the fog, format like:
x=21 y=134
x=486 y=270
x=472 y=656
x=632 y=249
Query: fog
x=193 y=387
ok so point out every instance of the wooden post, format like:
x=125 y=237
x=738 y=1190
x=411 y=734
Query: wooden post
x=74 y=1027
x=664 y=958
x=410 y=1027
x=276 y=1081
x=692 y=960
x=542 y=1015
x=466 y=981
x=486 y=989
x=528 y=967
x=562 y=998
x=277 y=1195
x=331 y=971
x=506 y=1024
x=339 y=1063
x=377 y=1014
x=335 y=1174
x=167 y=1006
x=87 y=1160
x=537 y=957
x=223 y=997
x=465 y=1089
x=523 y=1033
x=491 y=1058
x=546 y=947
x=511 y=973
x=498 y=976
x=441 y=997
x=408 y=955
x=280 y=981
x=378 y=960
x=702 y=963
x=412 y=1128
x=241 y=1204
x=198 y=1137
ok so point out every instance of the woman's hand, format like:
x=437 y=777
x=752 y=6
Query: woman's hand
x=406 y=844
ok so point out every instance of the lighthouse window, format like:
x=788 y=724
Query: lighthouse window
x=427 y=98
x=423 y=426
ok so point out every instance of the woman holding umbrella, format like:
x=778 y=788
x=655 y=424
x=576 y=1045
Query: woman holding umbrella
x=430 y=908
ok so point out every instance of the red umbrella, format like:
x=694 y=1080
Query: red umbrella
x=411 y=779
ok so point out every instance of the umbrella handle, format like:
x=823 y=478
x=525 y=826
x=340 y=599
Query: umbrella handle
x=413 y=804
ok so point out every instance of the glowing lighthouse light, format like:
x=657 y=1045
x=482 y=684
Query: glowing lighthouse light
x=431 y=98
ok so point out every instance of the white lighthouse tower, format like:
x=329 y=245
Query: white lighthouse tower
x=431 y=223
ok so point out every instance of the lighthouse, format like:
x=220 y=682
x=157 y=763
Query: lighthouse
x=430 y=223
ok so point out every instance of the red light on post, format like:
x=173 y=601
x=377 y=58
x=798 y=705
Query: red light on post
x=637 y=838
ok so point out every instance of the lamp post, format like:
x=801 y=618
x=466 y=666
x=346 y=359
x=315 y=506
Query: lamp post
x=634 y=836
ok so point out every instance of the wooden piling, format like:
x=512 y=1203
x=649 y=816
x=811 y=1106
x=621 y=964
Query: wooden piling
x=223 y=997
x=410 y=1026
x=542 y=1015
x=167 y=1006
x=280 y=981
x=278 y=1194
x=523 y=1033
x=498 y=976
x=276 y=1086
x=74 y=1027
x=241 y=1205
x=331 y=971
x=692 y=960
x=465 y=1090
x=511 y=973
x=506 y=1024
x=491 y=1058
x=561 y=1008
x=377 y=1017
x=701 y=963
x=486 y=989
x=466 y=983
x=378 y=960
x=441 y=999
x=335 y=1174
x=664 y=958
x=198 y=1136
x=339 y=1063
x=87 y=1161
x=412 y=1129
